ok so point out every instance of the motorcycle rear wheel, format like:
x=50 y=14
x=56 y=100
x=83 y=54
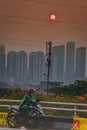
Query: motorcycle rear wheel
x=12 y=121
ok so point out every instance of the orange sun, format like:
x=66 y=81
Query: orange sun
x=52 y=17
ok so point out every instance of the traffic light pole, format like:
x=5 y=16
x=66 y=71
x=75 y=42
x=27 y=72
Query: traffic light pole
x=48 y=60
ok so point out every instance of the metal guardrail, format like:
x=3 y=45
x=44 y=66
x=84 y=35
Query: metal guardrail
x=74 y=109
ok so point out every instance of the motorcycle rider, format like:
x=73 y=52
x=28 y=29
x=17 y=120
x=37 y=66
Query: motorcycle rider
x=23 y=117
x=26 y=102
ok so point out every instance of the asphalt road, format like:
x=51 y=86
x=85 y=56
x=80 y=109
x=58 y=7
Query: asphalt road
x=5 y=128
x=2 y=128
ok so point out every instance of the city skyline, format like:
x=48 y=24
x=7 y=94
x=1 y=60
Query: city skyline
x=68 y=63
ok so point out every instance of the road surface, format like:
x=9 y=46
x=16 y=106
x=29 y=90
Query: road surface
x=2 y=128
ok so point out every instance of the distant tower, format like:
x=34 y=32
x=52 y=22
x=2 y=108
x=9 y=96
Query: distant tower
x=21 y=65
x=2 y=61
x=36 y=66
x=70 y=60
x=11 y=65
x=80 y=63
x=58 y=63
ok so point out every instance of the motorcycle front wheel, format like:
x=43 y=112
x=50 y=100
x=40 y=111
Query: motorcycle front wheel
x=42 y=123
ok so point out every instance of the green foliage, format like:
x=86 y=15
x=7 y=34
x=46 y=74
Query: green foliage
x=4 y=91
x=76 y=93
x=68 y=96
x=78 y=88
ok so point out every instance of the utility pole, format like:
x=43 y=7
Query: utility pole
x=48 y=61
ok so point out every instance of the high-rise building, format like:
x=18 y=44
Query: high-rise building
x=36 y=66
x=21 y=65
x=40 y=65
x=80 y=63
x=70 y=60
x=2 y=61
x=57 y=67
x=31 y=65
x=11 y=65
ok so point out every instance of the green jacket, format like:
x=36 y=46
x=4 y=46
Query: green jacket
x=27 y=100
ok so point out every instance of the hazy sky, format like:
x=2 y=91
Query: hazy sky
x=25 y=24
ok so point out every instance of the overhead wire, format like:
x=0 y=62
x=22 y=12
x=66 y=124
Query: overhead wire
x=37 y=19
x=45 y=25
x=37 y=10
x=15 y=43
x=56 y=4
x=66 y=22
x=32 y=41
x=38 y=45
x=24 y=40
x=28 y=40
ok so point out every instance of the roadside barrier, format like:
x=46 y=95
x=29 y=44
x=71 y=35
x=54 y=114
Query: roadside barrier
x=76 y=107
x=57 y=122
x=3 y=119
x=79 y=124
x=62 y=123
x=54 y=122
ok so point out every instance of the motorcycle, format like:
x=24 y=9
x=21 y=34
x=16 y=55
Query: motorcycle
x=37 y=119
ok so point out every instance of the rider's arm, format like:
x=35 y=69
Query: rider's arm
x=22 y=102
x=27 y=100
